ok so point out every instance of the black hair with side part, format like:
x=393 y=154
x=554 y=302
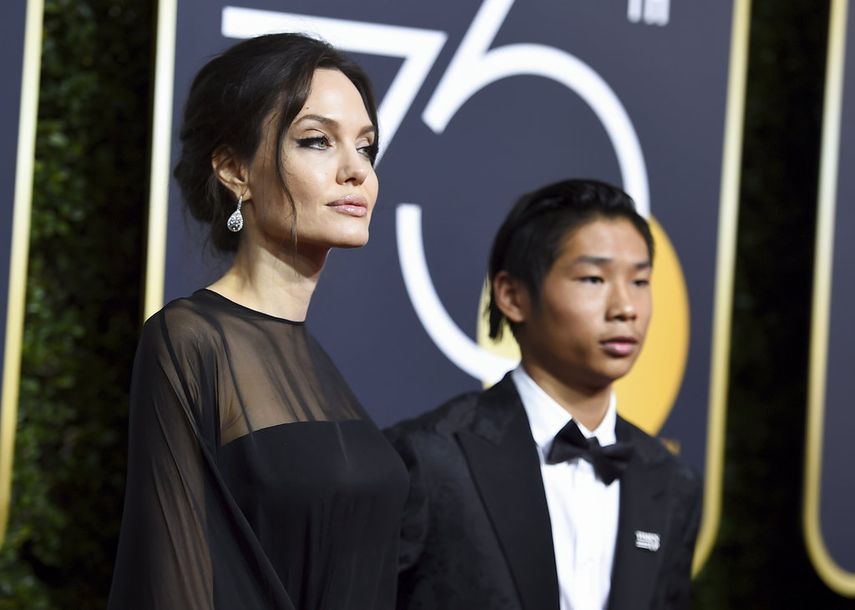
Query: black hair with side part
x=229 y=101
x=530 y=239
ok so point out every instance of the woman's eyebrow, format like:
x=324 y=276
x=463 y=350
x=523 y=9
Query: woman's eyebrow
x=332 y=123
x=324 y=120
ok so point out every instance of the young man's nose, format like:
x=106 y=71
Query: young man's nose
x=621 y=306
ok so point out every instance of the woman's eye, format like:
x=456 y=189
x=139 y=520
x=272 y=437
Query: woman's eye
x=369 y=150
x=316 y=142
x=642 y=282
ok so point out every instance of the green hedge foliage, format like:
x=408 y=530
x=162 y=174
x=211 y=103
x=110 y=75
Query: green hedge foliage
x=82 y=312
x=760 y=561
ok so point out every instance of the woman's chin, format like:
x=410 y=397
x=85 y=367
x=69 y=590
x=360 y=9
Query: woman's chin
x=356 y=240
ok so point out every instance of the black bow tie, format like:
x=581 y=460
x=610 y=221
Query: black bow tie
x=609 y=462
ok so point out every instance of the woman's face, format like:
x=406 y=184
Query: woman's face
x=326 y=155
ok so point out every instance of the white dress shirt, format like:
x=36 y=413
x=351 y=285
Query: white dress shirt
x=582 y=509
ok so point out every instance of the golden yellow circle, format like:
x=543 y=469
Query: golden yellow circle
x=646 y=395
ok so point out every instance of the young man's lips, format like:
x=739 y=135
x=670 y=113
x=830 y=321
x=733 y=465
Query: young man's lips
x=352 y=205
x=619 y=346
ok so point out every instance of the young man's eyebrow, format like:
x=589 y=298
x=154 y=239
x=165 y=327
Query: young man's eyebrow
x=587 y=259
x=602 y=261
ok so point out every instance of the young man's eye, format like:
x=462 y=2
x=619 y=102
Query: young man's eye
x=641 y=282
x=591 y=279
x=316 y=142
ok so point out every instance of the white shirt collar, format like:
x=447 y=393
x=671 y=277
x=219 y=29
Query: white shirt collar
x=546 y=417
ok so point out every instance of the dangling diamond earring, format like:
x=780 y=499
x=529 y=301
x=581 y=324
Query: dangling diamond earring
x=235 y=221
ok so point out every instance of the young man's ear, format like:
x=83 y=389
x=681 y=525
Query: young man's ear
x=231 y=173
x=512 y=297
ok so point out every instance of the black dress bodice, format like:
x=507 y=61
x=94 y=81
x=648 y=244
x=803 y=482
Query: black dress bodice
x=255 y=478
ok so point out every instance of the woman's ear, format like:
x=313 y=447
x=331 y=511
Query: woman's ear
x=231 y=173
x=512 y=297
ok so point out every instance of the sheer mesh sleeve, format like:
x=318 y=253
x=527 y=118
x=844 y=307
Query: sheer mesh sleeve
x=255 y=479
x=183 y=542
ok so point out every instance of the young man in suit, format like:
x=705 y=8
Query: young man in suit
x=535 y=494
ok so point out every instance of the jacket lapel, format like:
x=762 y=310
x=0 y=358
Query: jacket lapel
x=641 y=526
x=503 y=460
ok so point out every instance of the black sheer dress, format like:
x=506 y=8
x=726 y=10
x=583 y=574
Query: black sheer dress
x=255 y=479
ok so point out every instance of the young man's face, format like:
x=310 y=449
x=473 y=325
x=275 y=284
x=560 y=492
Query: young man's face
x=594 y=309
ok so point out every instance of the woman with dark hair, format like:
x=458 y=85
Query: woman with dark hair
x=255 y=478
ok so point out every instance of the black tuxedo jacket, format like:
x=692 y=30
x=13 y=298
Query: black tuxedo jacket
x=476 y=532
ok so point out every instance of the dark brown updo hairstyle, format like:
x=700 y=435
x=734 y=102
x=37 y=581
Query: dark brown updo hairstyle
x=228 y=102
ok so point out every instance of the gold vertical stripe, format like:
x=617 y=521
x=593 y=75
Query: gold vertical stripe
x=158 y=206
x=840 y=580
x=19 y=251
x=725 y=257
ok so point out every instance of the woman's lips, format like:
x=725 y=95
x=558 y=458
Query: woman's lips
x=619 y=346
x=351 y=205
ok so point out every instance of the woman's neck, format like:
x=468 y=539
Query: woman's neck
x=279 y=283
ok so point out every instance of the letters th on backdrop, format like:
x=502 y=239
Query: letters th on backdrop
x=829 y=487
x=481 y=101
x=20 y=40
